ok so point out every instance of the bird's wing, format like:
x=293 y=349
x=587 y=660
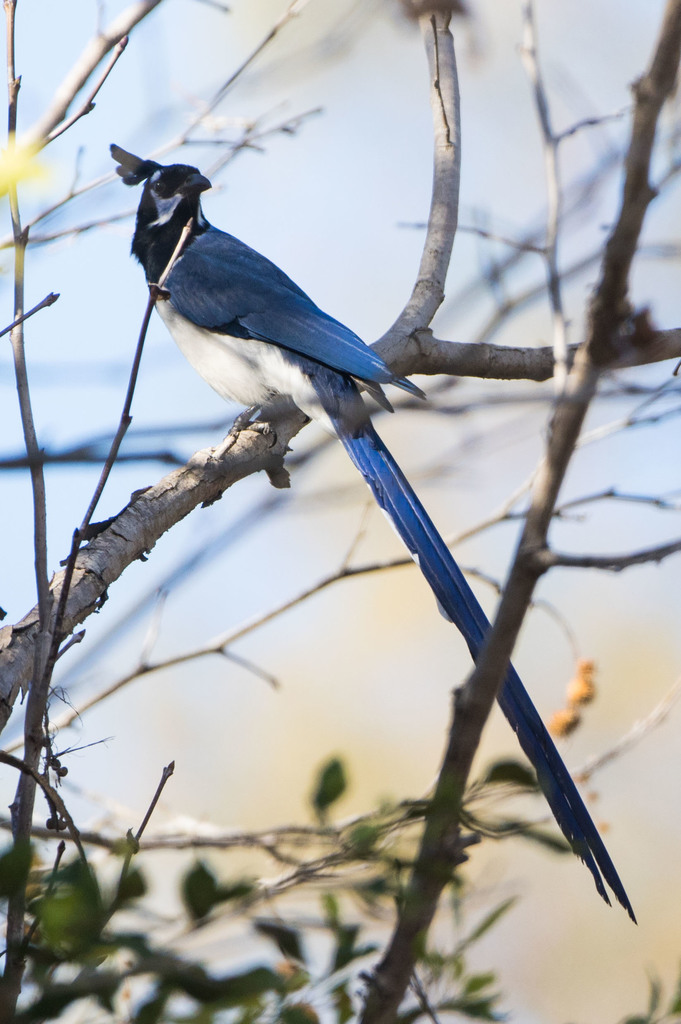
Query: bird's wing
x=225 y=286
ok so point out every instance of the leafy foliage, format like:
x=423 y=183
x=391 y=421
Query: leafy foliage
x=82 y=951
x=329 y=787
x=657 y=1012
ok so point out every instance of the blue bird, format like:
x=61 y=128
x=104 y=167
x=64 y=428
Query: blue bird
x=257 y=338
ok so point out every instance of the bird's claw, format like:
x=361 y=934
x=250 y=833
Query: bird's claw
x=245 y=421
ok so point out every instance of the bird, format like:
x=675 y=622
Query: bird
x=258 y=339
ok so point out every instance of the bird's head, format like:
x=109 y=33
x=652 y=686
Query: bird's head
x=171 y=196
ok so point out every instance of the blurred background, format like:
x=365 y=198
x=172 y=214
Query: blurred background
x=325 y=146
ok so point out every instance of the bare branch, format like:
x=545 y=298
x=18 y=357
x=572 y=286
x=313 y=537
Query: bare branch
x=133 y=841
x=95 y=51
x=292 y=11
x=22 y=806
x=49 y=300
x=611 y=563
x=53 y=797
x=132 y=534
x=428 y=291
x=430 y=355
x=89 y=103
x=638 y=731
x=610 y=306
x=551 y=142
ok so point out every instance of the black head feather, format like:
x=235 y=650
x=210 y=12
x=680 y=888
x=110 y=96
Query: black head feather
x=132 y=169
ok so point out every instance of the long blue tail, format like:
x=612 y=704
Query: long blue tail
x=396 y=497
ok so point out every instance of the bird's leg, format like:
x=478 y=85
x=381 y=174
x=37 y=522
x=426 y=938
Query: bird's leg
x=244 y=421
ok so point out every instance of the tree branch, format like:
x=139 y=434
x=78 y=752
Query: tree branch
x=611 y=563
x=89 y=104
x=428 y=291
x=24 y=800
x=133 y=533
x=430 y=355
x=551 y=142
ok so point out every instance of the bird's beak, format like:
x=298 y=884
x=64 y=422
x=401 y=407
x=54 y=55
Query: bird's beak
x=195 y=183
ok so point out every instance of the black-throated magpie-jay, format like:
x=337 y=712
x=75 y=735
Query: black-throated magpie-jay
x=256 y=337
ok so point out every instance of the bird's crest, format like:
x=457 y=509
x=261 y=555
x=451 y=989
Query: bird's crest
x=132 y=169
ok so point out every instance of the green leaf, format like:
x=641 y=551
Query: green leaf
x=476 y=982
x=675 y=1004
x=478 y=1009
x=549 y=840
x=509 y=771
x=301 y=1013
x=345 y=945
x=231 y=990
x=15 y=864
x=286 y=938
x=150 y=1012
x=200 y=891
x=363 y=838
x=72 y=916
x=343 y=1003
x=346 y=951
x=331 y=910
x=250 y=985
x=330 y=786
x=489 y=921
x=101 y=985
x=654 y=996
x=132 y=886
x=235 y=890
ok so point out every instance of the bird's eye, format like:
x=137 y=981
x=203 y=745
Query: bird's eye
x=157 y=188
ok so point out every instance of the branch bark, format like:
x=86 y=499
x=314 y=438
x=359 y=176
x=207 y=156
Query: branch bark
x=428 y=291
x=610 y=563
x=423 y=353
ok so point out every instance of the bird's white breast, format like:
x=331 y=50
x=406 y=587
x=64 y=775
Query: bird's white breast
x=243 y=370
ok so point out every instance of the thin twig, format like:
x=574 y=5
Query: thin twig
x=292 y=11
x=53 y=798
x=422 y=996
x=551 y=142
x=89 y=103
x=612 y=563
x=78 y=75
x=49 y=300
x=124 y=423
x=133 y=843
x=637 y=732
